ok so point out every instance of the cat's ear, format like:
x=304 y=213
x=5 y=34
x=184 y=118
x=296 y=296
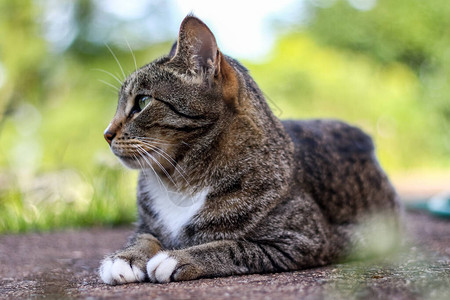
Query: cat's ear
x=197 y=48
x=173 y=50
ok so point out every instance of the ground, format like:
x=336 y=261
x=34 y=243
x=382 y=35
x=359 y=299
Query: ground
x=64 y=265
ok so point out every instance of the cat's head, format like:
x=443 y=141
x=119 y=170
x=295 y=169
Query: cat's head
x=172 y=103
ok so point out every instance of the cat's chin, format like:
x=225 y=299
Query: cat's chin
x=129 y=162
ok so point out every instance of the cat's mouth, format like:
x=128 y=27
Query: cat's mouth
x=130 y=152
x=136 y=159
x=124 y=157
x=143 y=156
x=131 y=162
x=128 y=158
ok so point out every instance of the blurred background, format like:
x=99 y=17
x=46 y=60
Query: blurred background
x=380 y=64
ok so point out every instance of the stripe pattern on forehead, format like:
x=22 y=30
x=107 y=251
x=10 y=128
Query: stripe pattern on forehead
x=187 y=78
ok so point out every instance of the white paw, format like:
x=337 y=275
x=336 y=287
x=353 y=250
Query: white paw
x=118 y=271
x=160 y=267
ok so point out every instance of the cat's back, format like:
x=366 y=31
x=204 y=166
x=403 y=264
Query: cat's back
x=336 y=164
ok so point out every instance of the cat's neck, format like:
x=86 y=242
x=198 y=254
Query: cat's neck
x=174 y=206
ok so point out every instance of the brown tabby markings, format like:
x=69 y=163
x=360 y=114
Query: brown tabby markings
x=225 y=187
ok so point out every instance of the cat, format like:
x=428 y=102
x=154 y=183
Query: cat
x=225 y=187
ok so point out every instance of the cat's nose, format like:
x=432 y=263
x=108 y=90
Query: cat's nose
x=109 y=133
x=109 y=136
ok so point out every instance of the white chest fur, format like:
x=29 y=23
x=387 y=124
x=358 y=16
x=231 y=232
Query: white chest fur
x=174 y=209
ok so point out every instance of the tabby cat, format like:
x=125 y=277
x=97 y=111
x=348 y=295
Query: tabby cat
x=225 y=187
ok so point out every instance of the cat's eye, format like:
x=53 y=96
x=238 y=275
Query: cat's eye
x=143 y=101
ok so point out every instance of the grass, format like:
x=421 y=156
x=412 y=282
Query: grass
x=67 y=199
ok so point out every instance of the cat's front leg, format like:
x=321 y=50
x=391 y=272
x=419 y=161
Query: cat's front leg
x=224 y=258
x=128 y=265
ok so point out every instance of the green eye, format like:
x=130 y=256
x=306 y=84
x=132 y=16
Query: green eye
x=143 y=101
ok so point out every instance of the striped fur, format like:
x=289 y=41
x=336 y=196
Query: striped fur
x=267 y=195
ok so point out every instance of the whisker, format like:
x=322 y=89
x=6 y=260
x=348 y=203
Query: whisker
x=160 y=166
x=158 y=148
x=170 y=160
x=148 y=141
x=116 y=89
x=110 y=74
x=132 y=54
x=135 y=158
x=143 y=155
x=155 y=142
x=115 y=57
x=160 y=141
x=163 y=169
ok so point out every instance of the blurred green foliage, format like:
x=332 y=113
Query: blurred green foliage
x=331 y=83
x=384 y=69
x=414 y=34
